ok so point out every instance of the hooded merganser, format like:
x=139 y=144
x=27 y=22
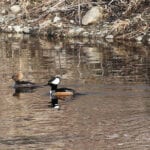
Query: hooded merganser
x=19 y=83
x=58 y=93
x=23 y=86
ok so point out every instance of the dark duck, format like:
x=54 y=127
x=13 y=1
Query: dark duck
x=58 y=93
x=21 y=86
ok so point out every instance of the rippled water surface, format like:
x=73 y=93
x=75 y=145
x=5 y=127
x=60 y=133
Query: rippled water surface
x=112 y=112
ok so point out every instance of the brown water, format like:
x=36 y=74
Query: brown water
x=114 y=113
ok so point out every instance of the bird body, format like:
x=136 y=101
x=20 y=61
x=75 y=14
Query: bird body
x=19 y=83
x=21 y=86
x=58 y=93
x=62 y=92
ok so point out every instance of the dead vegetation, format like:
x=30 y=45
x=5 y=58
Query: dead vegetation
x=129 y=18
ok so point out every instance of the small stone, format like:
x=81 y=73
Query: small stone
x=72 y=21
x=79 y=30
x=139 y=38
x=71 y=31
x=15 y=9
x=44 y=8
x=75 y=31
x=10 y=17
x=109 y=36
x=59 y=25
x=27 y=30
x=56 y=19
x=10 y=29
x=110 y=40
x=2 y=20
x=4 y=12
x=45 y=24
x=98 y=33
x=17 y=29
x=85 y=34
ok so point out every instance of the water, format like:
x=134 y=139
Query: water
x=112 y=114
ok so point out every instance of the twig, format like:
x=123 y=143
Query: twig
x=60 y=2
x=110 y=2
x=79 y=12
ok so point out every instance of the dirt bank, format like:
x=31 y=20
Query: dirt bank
x=118 y=19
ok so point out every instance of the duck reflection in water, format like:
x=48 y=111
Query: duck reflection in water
x=58 y=93
x=21 y=86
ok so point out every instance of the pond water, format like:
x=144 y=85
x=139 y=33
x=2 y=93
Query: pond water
x=112 y=112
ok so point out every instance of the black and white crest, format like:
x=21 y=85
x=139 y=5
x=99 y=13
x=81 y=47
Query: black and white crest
x=54 y=81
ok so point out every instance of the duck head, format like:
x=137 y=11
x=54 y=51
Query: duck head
x=17 y=76
x=54 y=81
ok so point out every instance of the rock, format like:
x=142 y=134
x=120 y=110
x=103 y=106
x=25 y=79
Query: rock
x=4 y=12
x=110 y=40
x=45 y=24
x=94 y=15
x=10 y=17
x=9 y=28
x=102 y=33
x=27 y=30
x=139 y=38
x=75 y=31
x=2 y=20
x=85 y=34
x=109 y=36
x=56 y=19
x=17 y=29
x=15 y=9
x=79 y=30
x=99 y=34
x=59 y=25
x=72 y=21
x=44 y=8
x=71 y=31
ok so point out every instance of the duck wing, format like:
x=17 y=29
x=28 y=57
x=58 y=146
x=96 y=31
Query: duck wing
x=25 y=84
x=65 y=90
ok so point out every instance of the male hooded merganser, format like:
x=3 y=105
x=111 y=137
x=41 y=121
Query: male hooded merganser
x=58 y=93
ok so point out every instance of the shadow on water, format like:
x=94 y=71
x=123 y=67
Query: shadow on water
x=111 y=111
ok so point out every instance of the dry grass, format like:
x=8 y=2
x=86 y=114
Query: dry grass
x=126 y=19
